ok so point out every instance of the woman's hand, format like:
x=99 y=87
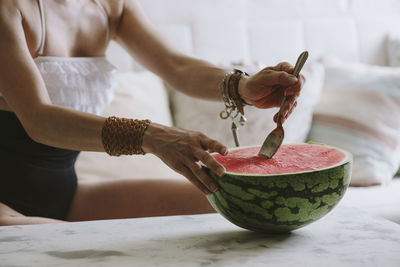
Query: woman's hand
x=183 y=150
x=267 y=88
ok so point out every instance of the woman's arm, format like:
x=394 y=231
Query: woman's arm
x=192 y=76
x=25 y=93
x=196 y=77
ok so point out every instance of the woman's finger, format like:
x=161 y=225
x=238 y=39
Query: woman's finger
x=274 y=99
x=288 y=108
x=210 y=162
x=285 y=111
x=282 y=78
x=201 y=175
x=213 y=145
x=285 y=66
x=185 y=171
x=293 y=90
x=291 y=109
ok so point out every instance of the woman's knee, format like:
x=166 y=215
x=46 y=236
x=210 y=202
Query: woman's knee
x=8 y=216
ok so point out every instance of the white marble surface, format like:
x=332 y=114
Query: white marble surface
x=345 y=237
x=383 y=201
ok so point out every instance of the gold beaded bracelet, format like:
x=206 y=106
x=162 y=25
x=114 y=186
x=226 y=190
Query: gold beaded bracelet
x=121 y=136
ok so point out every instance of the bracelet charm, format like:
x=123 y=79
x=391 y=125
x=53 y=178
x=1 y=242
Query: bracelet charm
x=234 y=105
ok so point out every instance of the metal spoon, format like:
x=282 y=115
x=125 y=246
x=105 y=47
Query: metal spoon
x=275 y=138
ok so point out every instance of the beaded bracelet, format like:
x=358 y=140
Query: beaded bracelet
x=121 y=136
x=234 y=104
x=229 y=88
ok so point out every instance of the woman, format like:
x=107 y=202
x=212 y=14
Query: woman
x=54 y=81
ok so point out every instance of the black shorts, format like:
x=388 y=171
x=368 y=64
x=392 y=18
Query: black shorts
x=35 y=179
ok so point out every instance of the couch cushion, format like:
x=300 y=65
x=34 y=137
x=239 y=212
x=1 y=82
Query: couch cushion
x=358 y=111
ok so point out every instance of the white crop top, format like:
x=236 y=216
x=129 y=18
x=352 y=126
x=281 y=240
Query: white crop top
x=81 y=83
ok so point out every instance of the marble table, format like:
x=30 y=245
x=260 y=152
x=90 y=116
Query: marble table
x=345 y=237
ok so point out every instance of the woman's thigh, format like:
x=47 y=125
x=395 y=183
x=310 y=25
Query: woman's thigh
x=136 y=198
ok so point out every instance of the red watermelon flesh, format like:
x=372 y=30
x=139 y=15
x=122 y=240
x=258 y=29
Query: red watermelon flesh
x=290 y=158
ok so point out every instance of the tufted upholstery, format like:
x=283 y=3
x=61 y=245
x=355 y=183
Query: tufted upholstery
x=272 y=30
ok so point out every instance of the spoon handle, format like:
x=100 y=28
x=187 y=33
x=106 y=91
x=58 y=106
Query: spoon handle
x=301 y=60
x=300 y=63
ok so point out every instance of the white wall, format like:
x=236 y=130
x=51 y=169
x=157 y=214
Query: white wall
x=272 y=30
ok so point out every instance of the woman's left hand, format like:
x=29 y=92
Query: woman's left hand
x=268 y=87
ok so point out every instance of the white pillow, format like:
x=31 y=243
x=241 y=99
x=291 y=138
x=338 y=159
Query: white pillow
x=359 y=110
x=394 y=55
x=203 y=116
x=140 y=96
x=394 y=50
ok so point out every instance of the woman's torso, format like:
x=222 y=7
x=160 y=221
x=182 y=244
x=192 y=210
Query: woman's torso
x=74 y=28
x=67 y=40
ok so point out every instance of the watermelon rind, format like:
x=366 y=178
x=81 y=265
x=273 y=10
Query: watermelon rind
x=280 y=202
x=311 y=142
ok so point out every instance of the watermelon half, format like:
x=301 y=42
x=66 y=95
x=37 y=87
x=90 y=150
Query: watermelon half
x=302 y=183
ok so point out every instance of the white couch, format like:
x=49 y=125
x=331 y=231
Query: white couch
x=270 y=31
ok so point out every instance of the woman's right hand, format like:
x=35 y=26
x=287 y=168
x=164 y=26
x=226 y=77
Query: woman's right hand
x=183 y=150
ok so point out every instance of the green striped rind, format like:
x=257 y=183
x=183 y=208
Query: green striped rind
x=279 y=203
